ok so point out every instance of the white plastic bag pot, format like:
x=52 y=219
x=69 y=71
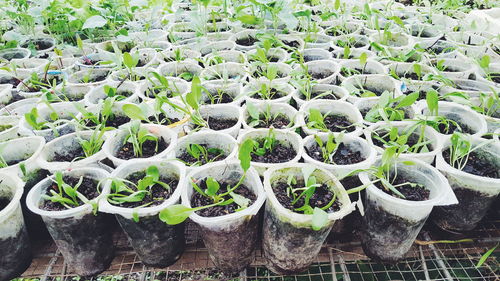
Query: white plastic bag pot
x=14 y=241
x=474 y=45
x=357 y=85
x=65 y=111
x=84 y=238
x=464 y=116
x=230 y=239
x=290 y=245
x=332 y=107
x=403 y=126
x=354 y=143
x=96 y=61
x=66 y=146
x=257 y=73
x=326 y=71
x=221 y=112
x=273 y=55
x=396 y=44
x=129 y=90
x=476 y=194
x=222 y=92
x=174 y=69
x=225 y=72
x=365 y=105
x=179 y=54
x=156 y=243
x=5 y=93
x=353 y=41
x=390 y=224
x=8 y=127
x=316 y=54
x=226 y=56
x=287 y=138
x=25 y=67
x=23 y=151
x=425 y=35
x=176 y=86
x=85 y=79
x=320 y=92
x=212 y=139
x=282 y=92
x=114 y=142
x=274 y=109
x=340 y=56
x=455 y=68
x=15 y=53
x=370 y=67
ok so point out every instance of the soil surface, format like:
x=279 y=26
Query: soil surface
x=221 y=97
x=114 y=121
x=214 y=154
x=454 y=128
x=321 y=197
x=338 y=123
x=220 y=124
x=344 y=155
x=157 y=194
x=279 y=154
x=417 y=193
x=3 y=203
x=329 y=96
x=198 y=200
x=163 y=120
x=412 y=140
x=247 y=41
x=476 y=165
x=321 y=75
x=88 y=188
x=279 y=122
x=69 y=156
x=149 y=149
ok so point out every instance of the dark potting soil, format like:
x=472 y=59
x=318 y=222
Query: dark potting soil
x=417 y=193
x=344 y=155
x=377 y=92
x=273 y=93
x=214 y=154
x=88 y=188
x=114 y=121
x=195 y=275
x=412 y=140
x=291 y=43
x=260 y=72
x=162 y=119
x=97 y=78
x=279 y=122
x=495 y=77
x=3 y=203
x=149 y=149
x=476 y=165
x=321 y=197
x=279 y=154
x=198 y=200
x=320 y=75
x=218 y=124
x=157 y=194
x=443 y=129
x=69 y=156
x=247 y=41
x=39 y=45
x=221 y=97
x=338 y=123
x=330 y=96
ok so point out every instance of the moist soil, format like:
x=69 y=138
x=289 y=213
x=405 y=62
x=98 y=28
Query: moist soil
x=163 y=120
x=3 y=203
x=321 y=197
x=347 y=72
x=69 y=156
x=273 y=93
x=218 y=124
x=278 y=122
x=344 y=155
x=114 y=121
x=320 y=75
x=40 y=45
x=330 y=96
x=412 y=140
x=157 y=194
x=214 y=154
x=417 y=193
x=198 y=200
x=454 y=128
x=247 y=41
x=279 y=154
x=149 y=149
x=260 y=72
x=88 y=188
x=291 y=43
x=373 y=90
x=221 y=98
x=338 y=123
x=476 y=165
x=94 y=79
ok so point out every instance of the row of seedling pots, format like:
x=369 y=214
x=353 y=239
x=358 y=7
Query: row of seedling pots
x=66 y=222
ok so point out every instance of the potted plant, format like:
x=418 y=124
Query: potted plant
x=223 y=199
x=137 y=192
x=400 y=195
x=471 y=165
x=270 y=147
x=68 y=203
x=138 y=140
x=267 y=115
x=303 y=203
x=14 y=241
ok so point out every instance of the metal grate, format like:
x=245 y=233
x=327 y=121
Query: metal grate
x=337 y=261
